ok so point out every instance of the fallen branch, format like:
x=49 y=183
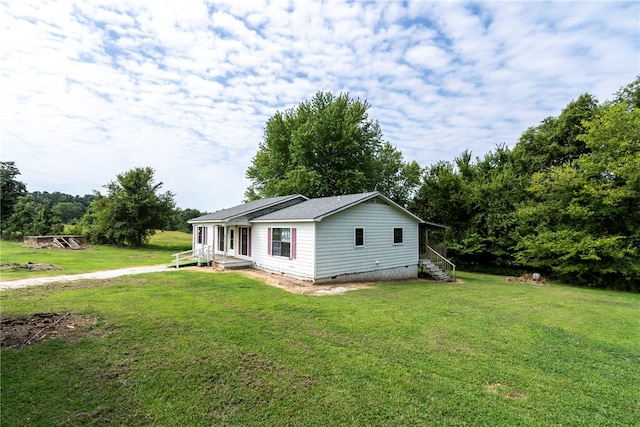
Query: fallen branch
x=43 y=329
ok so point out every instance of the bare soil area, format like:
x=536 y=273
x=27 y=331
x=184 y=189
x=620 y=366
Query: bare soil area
x=302 y=287
x=31 y=266
x=528 y=278
x=19 y=331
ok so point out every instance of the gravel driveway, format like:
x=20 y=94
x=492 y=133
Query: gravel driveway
x=107 y=274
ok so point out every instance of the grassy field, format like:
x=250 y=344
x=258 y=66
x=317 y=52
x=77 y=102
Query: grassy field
x=193 y=348
x=96 y=258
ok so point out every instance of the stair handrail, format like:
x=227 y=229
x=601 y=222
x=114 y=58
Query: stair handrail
x=181 y=256
x=442 y=263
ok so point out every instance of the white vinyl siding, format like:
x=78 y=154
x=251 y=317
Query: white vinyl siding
x=335 y=250
x=303 y=264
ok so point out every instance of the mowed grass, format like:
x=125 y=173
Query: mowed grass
x=188 y=348
x=96 y=258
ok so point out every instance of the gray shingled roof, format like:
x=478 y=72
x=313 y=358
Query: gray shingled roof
x=315 y=209
x=244 y=209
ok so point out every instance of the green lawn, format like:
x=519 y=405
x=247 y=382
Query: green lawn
x=98 y=257
x=193 y=348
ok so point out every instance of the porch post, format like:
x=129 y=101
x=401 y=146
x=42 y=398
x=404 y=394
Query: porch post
x=224 y=243
x=444 y=246
x=203 y=234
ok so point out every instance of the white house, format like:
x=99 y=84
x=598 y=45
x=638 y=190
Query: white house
x=331 y=239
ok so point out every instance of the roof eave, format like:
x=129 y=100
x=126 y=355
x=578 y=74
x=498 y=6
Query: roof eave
x=246 y=213
x=206 y=221
x=435 y=224
x=282 y=220
x=292 y=197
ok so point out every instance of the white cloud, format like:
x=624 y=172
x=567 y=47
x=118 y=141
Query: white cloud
x=428 y=57
x=186 y=87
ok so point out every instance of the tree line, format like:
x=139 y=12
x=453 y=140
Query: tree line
x=565 y=200
x=128 y=214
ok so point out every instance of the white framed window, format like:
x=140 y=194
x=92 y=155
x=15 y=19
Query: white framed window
x=220 y=238
x=281 y=242
x=201 y=235
x=358 y=236
x=398 y=237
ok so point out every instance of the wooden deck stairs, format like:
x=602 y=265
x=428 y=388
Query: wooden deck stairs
x=434 y=271
x=437 y=266
x=66 y=243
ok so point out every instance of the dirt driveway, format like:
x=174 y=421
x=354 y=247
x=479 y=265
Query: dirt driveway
x=107 y=274
x=287 y=283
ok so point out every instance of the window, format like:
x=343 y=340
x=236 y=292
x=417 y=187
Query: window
x=397 y=236
x=201 y=235
x=359 y=237
x=281 y=242
x=231 y=239
x=221 y=238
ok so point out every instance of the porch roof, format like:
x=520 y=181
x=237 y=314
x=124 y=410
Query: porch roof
x=249 y=209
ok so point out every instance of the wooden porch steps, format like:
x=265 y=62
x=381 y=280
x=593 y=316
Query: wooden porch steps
x=434 y=271
x=65 y=242
x=206 y=258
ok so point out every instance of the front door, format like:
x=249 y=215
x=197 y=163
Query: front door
x=231 y=244
x=244 y=241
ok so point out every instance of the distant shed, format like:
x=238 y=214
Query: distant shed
x=58 y=242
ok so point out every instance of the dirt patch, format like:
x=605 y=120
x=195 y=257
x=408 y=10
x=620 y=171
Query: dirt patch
x=31 y=266
x=303 y=287
x=504 y=391
x=19 y=331
x=532 y=279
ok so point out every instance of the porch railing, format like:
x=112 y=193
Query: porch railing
x=204 y=255
x=182 y=256
x=441 y=262
x=201 y=255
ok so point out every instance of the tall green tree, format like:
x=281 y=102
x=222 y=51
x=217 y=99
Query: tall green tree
x=179 y=218
x=131 y=210
x=477 y=200
x=584 y=220
x=629 y=94
x=328 y=146
x=10 y=190
x=443 y=196
x=556 y=140
x=31 y=217
x=69 y=212
x=22 y=217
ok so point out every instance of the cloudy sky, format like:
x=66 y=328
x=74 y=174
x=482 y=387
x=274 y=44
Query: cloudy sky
x=91 y=89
